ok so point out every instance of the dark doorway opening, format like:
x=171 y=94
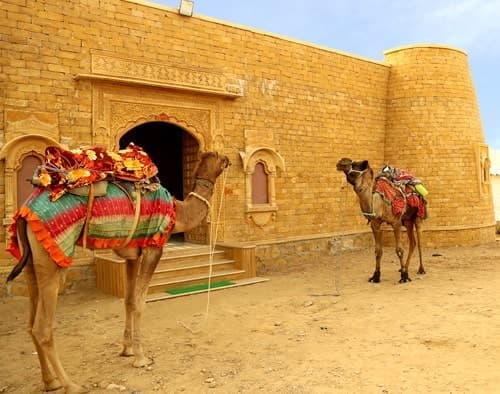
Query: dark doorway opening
x=163 y=143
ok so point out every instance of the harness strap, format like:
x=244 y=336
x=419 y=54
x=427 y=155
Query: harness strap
x=137 y=212
x=204 y=200
x=90 y=202
x=371 y=214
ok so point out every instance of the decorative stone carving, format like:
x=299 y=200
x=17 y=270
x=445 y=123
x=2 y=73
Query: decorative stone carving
x=19 y=123
x=107 y=67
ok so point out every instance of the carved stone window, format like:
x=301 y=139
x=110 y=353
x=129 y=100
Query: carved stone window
x=260 y=165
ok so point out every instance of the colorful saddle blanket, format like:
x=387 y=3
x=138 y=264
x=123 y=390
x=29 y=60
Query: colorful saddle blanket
x=58 y=224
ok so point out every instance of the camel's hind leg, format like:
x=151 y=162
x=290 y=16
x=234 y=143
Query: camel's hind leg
x=411 y=242
x=47 y=276
x=49 y=380
x=149 y=261
x=132 y=266
x=418 y=226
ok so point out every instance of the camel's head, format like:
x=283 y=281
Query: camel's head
x=210 y=166
x=355 y=170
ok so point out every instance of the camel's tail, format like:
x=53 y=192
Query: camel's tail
x=18 y=268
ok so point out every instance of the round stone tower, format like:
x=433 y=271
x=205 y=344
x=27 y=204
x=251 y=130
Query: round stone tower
x=434 y=130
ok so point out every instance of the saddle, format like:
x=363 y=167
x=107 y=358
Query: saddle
x=401 y=188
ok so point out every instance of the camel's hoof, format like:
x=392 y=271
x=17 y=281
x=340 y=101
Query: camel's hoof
x=53 y=385
x=127 y=352
x=404 y=277
x=75 y=388
x=143 y=362
x=375 y=278
x=421 y=271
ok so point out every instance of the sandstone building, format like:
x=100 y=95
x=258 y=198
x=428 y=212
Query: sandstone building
x=108 y=72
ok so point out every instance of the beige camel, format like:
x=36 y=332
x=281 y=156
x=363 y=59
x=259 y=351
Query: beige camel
x=43 y=279
x=377 y=211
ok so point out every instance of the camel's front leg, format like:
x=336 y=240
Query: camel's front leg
x=400 y=253
x=150 y=258
x=379 y=251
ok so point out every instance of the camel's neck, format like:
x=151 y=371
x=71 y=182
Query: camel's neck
x=365 y=196
x=191 y=211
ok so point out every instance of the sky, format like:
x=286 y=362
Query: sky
x=369 y=27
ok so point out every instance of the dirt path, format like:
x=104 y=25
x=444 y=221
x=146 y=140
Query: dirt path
x=440 y=333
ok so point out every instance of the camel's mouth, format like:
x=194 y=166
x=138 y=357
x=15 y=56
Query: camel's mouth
x=344 y=164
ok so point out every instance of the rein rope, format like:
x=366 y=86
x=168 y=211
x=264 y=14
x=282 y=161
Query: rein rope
x=212 y=242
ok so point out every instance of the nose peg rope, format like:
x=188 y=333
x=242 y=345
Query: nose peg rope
x=212 y=242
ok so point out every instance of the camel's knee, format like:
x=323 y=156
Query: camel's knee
x=42 y=336
x=400 y=252
x=379 y=252
x=130 y=304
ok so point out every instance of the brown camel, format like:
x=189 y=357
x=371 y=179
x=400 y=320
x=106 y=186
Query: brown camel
x=43 y=279
x=378 y=211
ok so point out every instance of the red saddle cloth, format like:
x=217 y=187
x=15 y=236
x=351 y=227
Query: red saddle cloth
x=394 y=195
x=65 y=169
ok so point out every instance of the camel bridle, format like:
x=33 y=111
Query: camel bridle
x=371 y=214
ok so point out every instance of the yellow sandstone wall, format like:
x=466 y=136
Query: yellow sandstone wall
x=313 y=104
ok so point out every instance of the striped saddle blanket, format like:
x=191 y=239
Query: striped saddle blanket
x=58 y=224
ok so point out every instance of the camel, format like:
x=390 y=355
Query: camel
x=43 y=278
x=378 y=211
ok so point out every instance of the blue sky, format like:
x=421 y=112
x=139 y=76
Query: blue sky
x=370 y=27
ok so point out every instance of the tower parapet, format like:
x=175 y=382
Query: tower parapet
x=434 y=129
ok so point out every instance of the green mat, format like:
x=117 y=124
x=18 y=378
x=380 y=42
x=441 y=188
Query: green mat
x=204 y=286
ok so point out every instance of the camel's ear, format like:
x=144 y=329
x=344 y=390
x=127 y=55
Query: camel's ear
x=360 y=165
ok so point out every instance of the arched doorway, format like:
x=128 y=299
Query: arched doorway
x=175 y=153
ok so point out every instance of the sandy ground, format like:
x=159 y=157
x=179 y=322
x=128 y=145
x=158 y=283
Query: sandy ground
x=293 y=334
